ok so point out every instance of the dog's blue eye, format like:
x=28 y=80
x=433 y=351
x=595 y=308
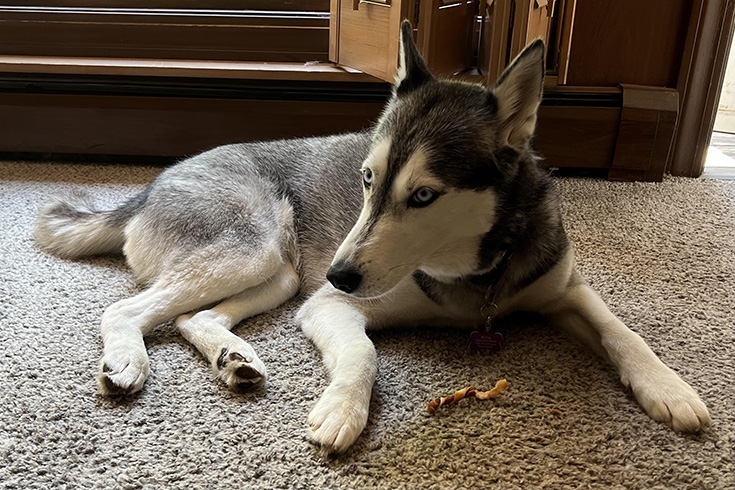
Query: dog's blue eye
x=367 y=177
x=423 y=197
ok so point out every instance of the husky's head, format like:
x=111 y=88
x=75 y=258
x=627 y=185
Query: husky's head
x=441 y=154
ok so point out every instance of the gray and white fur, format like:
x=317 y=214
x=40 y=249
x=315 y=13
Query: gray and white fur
x=408 y=221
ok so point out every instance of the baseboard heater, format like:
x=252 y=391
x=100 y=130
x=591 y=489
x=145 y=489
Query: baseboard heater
x=625 y=131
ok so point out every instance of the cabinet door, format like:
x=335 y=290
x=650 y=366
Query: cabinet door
x=445 y=34
x=497 y=27
x=364 y=34
x=531 y=21
x=560 y=40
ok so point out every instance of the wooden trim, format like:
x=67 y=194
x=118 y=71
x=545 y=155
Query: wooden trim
x=164 y=126
x=608 y=92
x=428 y=11
x=181 y=68
x=334 y=23
x=565 y=43
x=700 y=83
x=532 y=20
x=645 y=134
x=499 y=43
x=520 y=27
x=568 y=136
x=398 y=12
x=178 y=117
x=194 y=5
x=551 y=80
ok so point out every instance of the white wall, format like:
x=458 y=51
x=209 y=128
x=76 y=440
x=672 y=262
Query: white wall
x=725 y=120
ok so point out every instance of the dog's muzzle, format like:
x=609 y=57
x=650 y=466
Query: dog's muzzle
x=344 y=277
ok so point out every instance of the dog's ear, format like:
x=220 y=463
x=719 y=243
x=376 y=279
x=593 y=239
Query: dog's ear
x=412 y=70
x=518 y=92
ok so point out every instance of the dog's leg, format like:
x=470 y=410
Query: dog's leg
x=232 y=359
x=659 y=390
x=124 y=366
x=338 y=330
x=190 y=284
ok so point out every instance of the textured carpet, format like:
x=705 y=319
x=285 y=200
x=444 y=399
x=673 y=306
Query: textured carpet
x=662 y=255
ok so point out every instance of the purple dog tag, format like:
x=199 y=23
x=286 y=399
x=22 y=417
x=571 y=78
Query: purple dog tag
x=486 y=341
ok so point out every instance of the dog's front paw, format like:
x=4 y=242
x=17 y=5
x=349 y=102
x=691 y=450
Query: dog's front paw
x=240 y=368
x=667 y=398
x=339 y=416
x=123 y=370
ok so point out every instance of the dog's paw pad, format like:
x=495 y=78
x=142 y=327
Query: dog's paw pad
x=247 y=372
x=241 y=370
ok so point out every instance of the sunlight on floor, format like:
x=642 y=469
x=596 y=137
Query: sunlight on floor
x=715 y=158
x=720 y=162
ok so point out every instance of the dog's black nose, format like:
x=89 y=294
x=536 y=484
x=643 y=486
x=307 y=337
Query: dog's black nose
x=344 y=277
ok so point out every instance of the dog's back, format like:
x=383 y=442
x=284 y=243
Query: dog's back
x=198 y=198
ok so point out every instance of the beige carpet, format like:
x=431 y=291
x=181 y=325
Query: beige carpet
x=662 y=255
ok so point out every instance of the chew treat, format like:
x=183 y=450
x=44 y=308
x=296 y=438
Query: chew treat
x=470 y=391
x=499 y=387
x=448 y=400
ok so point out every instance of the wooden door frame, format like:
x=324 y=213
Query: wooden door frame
x=700 y=82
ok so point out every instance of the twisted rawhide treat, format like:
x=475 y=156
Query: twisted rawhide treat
x=467 y=392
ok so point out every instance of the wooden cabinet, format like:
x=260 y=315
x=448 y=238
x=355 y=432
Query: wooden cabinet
x=595 y=50
x=614 y=71
x=456 y=37
x=364 y=34
x=447 y=34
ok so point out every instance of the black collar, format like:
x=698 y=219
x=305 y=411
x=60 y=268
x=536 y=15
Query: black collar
x=494 y=280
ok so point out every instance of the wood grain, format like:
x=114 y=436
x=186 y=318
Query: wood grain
x=577 y=137
x=368 y=37
x=628 y=41
x=499 y=50
x=195 y=69
x=581 y=137
x=163 y=36
x=164 y=126
x=646 y=133
x=444 y=35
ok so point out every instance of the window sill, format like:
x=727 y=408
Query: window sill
x=327 y=72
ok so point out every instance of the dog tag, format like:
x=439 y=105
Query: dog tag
x=486 y=341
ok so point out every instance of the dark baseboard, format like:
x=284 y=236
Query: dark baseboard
x=163 y=119
x=89 y=158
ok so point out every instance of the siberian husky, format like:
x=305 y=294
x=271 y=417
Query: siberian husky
x=412 y=223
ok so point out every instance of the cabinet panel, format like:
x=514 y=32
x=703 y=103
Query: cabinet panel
x=628 y=41
x=445 y=34
x=367 y=34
